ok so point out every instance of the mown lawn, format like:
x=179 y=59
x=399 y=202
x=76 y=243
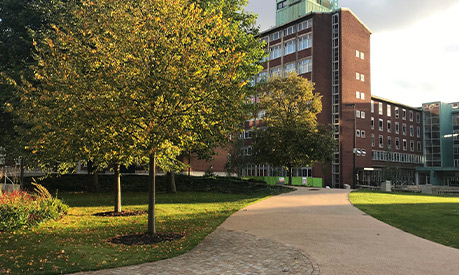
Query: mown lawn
x=78 y=241
x=435 y=218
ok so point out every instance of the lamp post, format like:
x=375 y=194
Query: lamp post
x=354 y=149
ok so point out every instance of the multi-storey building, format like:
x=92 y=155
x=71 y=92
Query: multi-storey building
x=441 y=144
x=331 y=47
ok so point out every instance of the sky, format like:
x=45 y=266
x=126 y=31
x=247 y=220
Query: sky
x=414 y=46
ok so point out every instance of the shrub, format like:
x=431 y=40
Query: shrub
x=21 y=209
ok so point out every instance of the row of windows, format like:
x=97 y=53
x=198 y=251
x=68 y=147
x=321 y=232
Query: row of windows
x=303 y=42
x=397 y=127
x=301 y=67
x=360 y=77
x=288 y=31
x=396 y=110
x=397 y=157
x=397 y=143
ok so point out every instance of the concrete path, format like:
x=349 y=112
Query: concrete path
x=308 y=231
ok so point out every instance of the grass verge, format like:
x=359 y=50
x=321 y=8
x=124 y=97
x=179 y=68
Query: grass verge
x=78 y=241
x=434 y=218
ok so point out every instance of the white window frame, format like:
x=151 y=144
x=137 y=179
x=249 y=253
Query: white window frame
x=275 y=52
x=305 y=42
x=389 y=110
x=305 y=25
x=305 y=63
x=275 y=72
x=290 y=30
x=275 y=36
x=288 y=68
x=290 y=47
x=380 y=108
x=357 y=94
x=362 y=96
x=372 y=106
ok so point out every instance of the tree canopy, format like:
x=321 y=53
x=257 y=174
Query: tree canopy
x=290 y=136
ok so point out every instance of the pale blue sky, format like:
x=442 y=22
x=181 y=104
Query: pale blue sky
x=415 y=46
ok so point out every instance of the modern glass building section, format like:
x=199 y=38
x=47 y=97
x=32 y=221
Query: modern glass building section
x=441 y=144
x=288 y=10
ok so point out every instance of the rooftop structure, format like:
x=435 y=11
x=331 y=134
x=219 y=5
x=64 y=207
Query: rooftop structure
x=288 y=10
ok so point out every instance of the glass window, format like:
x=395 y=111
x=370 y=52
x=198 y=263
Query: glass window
x=362 y=55
x=372 y=106
x=389 y=142
x=381 y=108
x=357 y=133
x=403 y=114
x=372 y=123
x=397 y=143
x=419 y=146
x=404 y=129
x=412 y=146
x=357 y=53
x=389 y=126
x=290 y=47
x=418 y=131
x=357 y=113
x=411 y=131
x=381 y=124
x=357 y=94
x=275 y=36
x=282 y=5
x=275 y=72
x=362 y=114
x=372 y=140
x=288 y=68
x=305 y=25
x=405 y=145
x=418 y=117
x=357 y=76
x=397 y=127
x=362 y=134
x=305 y=42
x=276 y=52
x=411 y=116
x=381 y=141
x=362 y=96
x=290 y=30
x=396 y=112
x=362 y=77
x=305 y=66
x=389 y=110
x=263 y=76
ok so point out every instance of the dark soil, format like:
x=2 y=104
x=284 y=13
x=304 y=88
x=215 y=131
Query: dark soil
x=125 y=213
x=145 y=239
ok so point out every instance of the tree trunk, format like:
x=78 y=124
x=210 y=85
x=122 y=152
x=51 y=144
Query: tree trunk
x=171 y=188
x=117 y=188
x=151 y=195
x=92 y=180
x=289 y=174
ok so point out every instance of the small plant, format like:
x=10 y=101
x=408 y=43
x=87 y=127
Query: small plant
x=20 y=209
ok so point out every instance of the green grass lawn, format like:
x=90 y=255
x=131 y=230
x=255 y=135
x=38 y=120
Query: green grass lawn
x=78 y=241
x=435 y=218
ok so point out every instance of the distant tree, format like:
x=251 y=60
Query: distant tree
x=290 y=135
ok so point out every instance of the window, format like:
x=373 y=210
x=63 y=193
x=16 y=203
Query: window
x=275 y=72
x=372 y=140
x=362 y=96
x=411 y=131
x=305 y=66
x=357 y=94
x=275 y=36
x=276 y=52
x=403 y=114
x=418 y=131
x=404 y=129
x=357 y=53
x=372 y=123
x=397 y=143
x=396 y=112
x=381 y=141
x=290 y=30
x=411 y=116
x=357 y=133
x=405 y=145
x=263 y=76
x=362 y=134
x=372 y=106
x=282 y=5
x=389 y=110
x=397 y=128
x=362 y=77
x=289 y=68
x=381 y=108
x=381 y=124
x=357 y=113
x=418 y=117
x=389 y=142
x=419 y=146
x=412 y=146
x=362 y=55
x=305 y=42
x=290 y=47
x=389 y=126
x=248 y=134
x=247 y=151
x=305 y=25
x=357 y=76
x=362 y=115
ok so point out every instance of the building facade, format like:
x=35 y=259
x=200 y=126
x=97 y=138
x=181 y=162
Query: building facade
x=441 y=144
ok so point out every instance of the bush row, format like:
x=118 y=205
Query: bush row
x=21 y=209
x=139 y=183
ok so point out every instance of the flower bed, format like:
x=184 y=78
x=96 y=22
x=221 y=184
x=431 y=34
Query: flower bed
x=20 y=209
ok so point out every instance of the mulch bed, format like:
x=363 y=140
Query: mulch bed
x=125 y=213
x=145 y=239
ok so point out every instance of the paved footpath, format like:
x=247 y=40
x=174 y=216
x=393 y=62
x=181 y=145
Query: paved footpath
x=308 y=231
